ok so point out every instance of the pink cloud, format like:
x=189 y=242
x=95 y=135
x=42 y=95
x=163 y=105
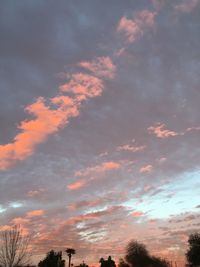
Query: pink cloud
x=93 y=215
x=187 y=6
x=101 y=201
x=135 y=27
x=84 y=203
x=33 y=193
x=137 y=213
x=101 y=66
x=130 y=29
x=5 y=228
x=130 y=148
x=193 y=129
x=48 y=119
x=35 y=213
x=76 y=185
x=83 y=86
x=146 y=169
x=98 y=169
x=161 y=132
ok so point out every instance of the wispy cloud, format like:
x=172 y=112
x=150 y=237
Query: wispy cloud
x=101 y=66
x=187 y=6
x=99 y=169
x=146 y=169
x=160 y=131
x=133 y=28
x=130 y=148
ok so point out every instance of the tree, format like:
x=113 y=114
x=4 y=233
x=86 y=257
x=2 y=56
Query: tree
x=137 y=254
x=193 y=253
x=122 y=263
x=70 y=252
x=53 y=259
x=158 y=262
x=107 y=263
x=14 y=248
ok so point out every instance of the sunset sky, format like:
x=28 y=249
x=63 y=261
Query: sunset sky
x=100 y=124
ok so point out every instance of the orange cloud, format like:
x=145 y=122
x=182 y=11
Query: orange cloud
x=5 y=228
x=101 y=66
x=161 y=132
x=35 y=213
x=48 y=119
x=76 y=185
x=105 y=166
x=134 y=28
x=137 y=213
x=131 y=30
x=83 y=86
x=146 y=169
x=33 y=132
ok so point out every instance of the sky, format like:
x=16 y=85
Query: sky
x=100 y=128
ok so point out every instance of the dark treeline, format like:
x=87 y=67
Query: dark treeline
x=136 y=255
x=14 y=253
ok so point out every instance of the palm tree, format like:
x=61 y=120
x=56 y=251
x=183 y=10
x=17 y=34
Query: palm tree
x=70 y=252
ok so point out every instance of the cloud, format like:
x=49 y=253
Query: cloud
x=193 y=129
x=99 y=169
x=76 y=185
x=83 y=86
x=102 y=200
x=137 y=213
x=187 y=6
x=130 y=148
x=101 y=66
x=158 y=3
x=48 y=119
x=146 y=169
x=161 y=132
x=33 y=193
x=35 y=213
x=33 y=132
x=84 y=204
x=94 y=215
x=135 y=27
x=92 y=173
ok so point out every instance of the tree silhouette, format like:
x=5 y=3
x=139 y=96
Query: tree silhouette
x=53 y=259
x=158 y=262
x=137 y=254
x=107 y=263
x=14 y=248
x=70 y=252
x=122 y=263
x=193 y=253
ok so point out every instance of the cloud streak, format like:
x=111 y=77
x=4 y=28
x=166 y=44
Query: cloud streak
x=50 y=118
